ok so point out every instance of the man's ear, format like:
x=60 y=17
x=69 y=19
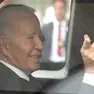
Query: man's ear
x=4 y=45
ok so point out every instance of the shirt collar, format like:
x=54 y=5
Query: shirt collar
x=57 y=22
x=19 y=72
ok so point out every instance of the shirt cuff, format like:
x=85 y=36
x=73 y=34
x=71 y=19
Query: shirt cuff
x=88 y=79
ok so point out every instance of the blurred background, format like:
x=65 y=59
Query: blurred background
x=44 y=9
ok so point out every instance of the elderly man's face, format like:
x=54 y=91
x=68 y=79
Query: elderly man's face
x=26 y=46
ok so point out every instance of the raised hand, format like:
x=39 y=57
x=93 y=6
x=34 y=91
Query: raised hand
x=87 y=52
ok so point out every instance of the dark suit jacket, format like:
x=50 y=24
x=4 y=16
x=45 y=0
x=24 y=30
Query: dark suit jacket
x=10 y=81
x=47 y=32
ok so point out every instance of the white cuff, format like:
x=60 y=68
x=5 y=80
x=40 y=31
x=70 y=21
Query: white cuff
x=88 y=79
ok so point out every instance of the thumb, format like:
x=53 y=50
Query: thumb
x=87 y=42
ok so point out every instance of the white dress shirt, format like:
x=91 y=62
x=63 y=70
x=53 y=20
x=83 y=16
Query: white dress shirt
x=19 y=72
x=49 y=13
x=88 y=79
x=54 y=56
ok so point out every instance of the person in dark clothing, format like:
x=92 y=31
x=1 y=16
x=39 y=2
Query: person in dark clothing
x=20 y=48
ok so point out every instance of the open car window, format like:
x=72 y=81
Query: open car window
x=50 y=61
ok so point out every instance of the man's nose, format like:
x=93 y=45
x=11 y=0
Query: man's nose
x=38 y=43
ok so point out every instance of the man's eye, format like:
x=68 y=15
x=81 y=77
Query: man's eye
x=42 y=38
x=31 y=37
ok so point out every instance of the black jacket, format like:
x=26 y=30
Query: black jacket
x=11 y=82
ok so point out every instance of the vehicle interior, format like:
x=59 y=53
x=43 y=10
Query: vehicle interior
x=80 y=23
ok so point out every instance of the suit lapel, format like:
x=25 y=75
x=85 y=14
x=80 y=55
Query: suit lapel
x=50 y=34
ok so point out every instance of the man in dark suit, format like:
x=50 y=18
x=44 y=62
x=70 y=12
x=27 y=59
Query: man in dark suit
x=20 y=48
x=55 y=35
x=55 y=38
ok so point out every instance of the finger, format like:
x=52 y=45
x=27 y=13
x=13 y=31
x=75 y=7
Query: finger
x=89 y=50
x=85 y=53
x=91 y=55
x=87 y=42
x=92 y=45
